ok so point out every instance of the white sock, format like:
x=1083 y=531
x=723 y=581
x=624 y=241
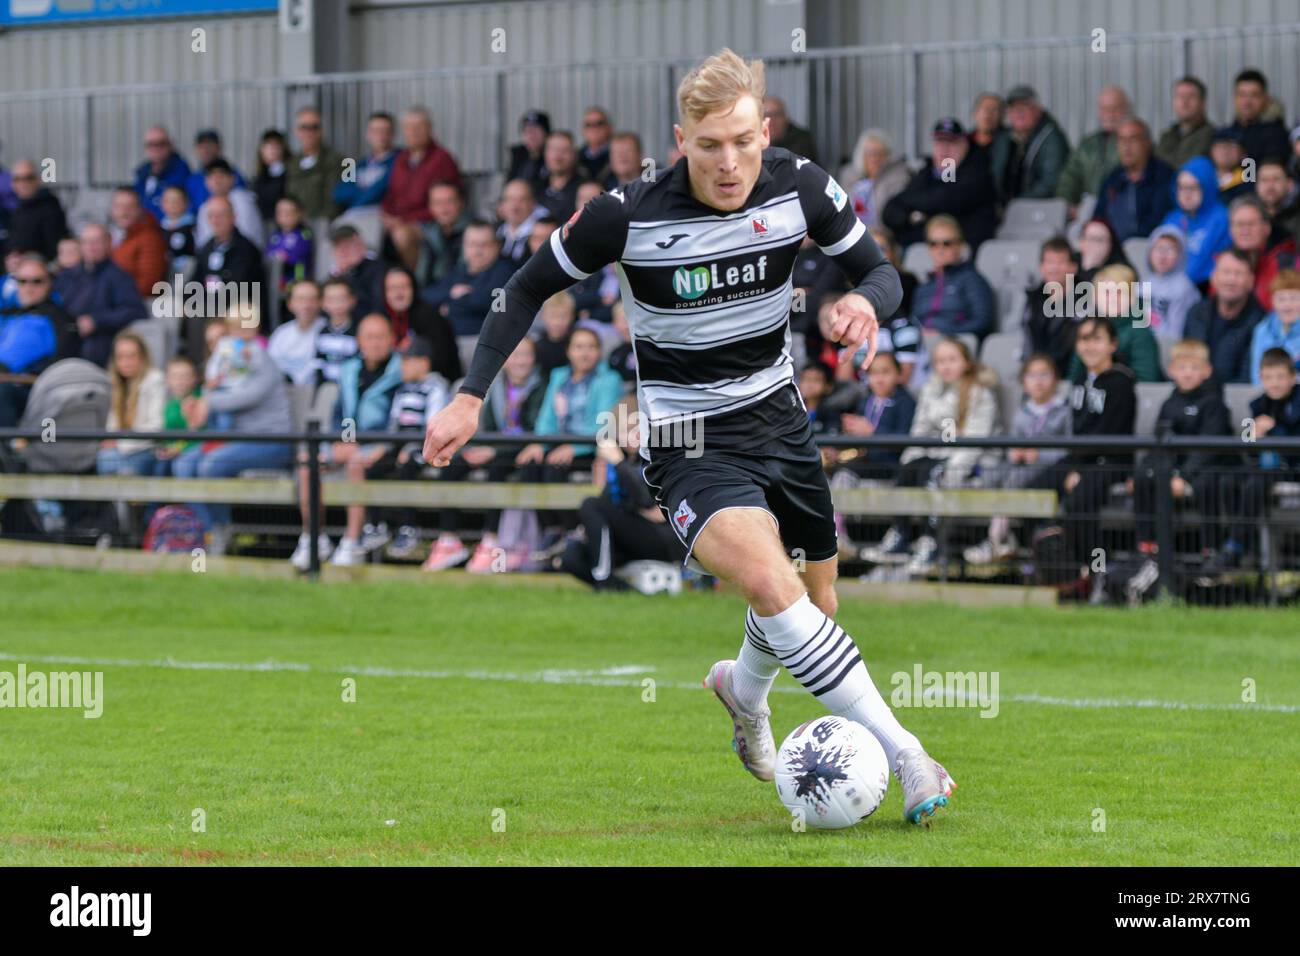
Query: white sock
x=756 y=668
x=822 y=657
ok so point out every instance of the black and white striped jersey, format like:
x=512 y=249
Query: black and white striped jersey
x=707 y=294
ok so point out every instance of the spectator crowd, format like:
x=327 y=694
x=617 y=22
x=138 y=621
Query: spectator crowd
x=376 y=273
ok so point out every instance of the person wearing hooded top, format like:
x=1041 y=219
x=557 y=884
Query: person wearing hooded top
x=1201 y=217
x=1172 y=293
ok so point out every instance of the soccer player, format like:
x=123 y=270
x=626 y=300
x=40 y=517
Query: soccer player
x=707 y=248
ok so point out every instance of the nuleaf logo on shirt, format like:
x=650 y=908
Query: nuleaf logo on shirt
x=690 y=284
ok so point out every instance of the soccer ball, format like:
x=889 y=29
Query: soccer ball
x=831 y=772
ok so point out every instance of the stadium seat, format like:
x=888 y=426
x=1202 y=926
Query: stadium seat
x=1081 y=216
x=1008 y=263
x=1011 y=308
x=155 y=338
x=1166 y=346
x=367 y=223
x=320 y=228
x=1237 y=398
x=1150 y=396
x=465 y=345
x=1033 y=219
x=1001 y=353
x=1135 y=250
x=482 y=192
x=916 y=260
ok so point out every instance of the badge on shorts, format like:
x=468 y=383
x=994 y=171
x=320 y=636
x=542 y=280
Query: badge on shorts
x=683 y=517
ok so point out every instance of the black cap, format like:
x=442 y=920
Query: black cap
x=418 y=347
x=1020 y=93
x=218 y=165
x=948 y=128
x=207 y=136
x=343 y=233
x=537 y=118
x=1228 y=134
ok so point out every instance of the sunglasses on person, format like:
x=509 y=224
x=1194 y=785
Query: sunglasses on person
x=945 y=243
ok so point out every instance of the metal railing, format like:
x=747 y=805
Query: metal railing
x=95 y=133
x=943 y=505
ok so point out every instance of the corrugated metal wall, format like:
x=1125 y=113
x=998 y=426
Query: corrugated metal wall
x=40 y=58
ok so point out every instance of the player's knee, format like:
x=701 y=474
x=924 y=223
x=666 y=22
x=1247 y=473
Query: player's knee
x=771 y=589
x=825 y=599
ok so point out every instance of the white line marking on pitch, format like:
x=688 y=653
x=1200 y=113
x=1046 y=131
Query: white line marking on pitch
x=601 y=677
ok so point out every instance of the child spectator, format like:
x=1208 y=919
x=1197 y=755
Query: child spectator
x=293 y=344
x=1103 y=400
x=957 y=400
x=1201 y=216
x=138 y=395
x=1042 y=414
x=182 y=386
x=268 y=184
x=337 y=341
x=367 y=382
x=1172 y=292
x=576 y=396
x=623 y=358
x=229 y=363
x=178 y=228
x=1049 y=324
x=816 y=382
x=557 y=318
x=1195 y=408
x=1274 y=414
x=291 y=243
x=1280 y=329
x=511 y=407
x=623 y=523
x=887 y=410
x=955 y=299
x=421 y=395
x=1115 y=298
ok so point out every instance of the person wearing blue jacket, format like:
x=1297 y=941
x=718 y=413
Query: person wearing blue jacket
x=955 y=298
x=1136 y=195
x=1200 y=215
x=100 y=295
x=576 y=397
x=30 y=334
x=465 y=295
x=164 y=167
x=371 y=180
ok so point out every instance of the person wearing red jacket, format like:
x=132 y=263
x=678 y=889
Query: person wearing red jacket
x=421 y=164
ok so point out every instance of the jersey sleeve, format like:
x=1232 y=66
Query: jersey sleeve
x=839 y=233
x=593 y=237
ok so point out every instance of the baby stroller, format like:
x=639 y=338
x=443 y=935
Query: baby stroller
x=73 y=394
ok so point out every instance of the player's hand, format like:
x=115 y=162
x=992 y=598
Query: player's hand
x=450 y=429
x=853 y=325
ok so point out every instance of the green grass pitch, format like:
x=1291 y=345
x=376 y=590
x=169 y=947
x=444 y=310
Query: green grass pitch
x=508 y=723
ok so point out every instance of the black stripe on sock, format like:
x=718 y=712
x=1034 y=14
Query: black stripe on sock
x=755 y=638
x=834 y=648
x=812 y=682
x=789 y=659
x=857 y=659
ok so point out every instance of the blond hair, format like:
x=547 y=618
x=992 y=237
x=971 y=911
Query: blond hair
x=1192 y=349
x=717 y=83
x=125 y=392
x=561 y=300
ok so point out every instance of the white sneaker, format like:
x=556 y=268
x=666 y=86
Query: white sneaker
x=988 y=551
x=751 y=733
x=301 y=558
x=349 y=554
x=375 y=536
x=923 y=554
x=892 y=549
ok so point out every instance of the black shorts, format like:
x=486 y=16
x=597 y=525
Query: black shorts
x=782 y=475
